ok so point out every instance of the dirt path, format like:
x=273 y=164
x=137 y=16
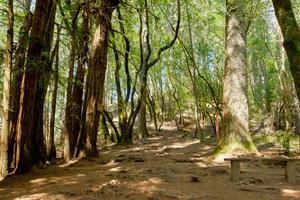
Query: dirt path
x=165 y=166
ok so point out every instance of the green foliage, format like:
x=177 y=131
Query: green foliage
x=284 y=138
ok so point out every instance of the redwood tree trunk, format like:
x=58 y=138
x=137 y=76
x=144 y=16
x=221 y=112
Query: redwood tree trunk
x=30 y=138
x=69 y=136
x=81 y=139
x=235 y=127
x=97 y=70
x=79 y=78
x=51 y=151
x=291 y=35
x=16 y=80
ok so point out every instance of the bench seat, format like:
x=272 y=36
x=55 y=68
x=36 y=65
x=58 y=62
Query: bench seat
x=289 y=166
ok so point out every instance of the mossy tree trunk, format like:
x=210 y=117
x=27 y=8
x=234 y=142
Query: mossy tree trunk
x=235 y=127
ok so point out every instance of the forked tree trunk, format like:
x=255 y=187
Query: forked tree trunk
x=4 y=137
x=235 y=126
x=146 y=64
x=97 y=70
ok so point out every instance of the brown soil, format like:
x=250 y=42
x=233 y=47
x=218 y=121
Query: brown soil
x=165 y=166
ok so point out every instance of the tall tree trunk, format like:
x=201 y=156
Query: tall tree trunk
x=51 y=151
x=142 y=123
x=291 y=35
x=83 y=59
x=161 y=102
x=194 y=79
x=16 y=79
x=235 y=126
x=145 y=55
x=152 y=109
x=79 y=78
x=6 y=120
x=97 y=70
x=290 y=100
x=69 y=136
x=31 y=148
x=289 y=97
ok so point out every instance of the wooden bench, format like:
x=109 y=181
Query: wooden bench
x=289 y=166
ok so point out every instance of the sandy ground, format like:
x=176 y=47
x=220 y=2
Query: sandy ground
x=166 y=166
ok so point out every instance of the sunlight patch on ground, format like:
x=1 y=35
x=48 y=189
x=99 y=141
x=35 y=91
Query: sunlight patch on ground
x=290 y=193
x=179 y=145
x=32 y=197
x=116 y=169
x=201 y=164
x=39 y=180
x=80 y=175
x=68 y=163
x=134 y=149
x=207 y=148
x=148 y=186
x=156 y=138
x=69 y=182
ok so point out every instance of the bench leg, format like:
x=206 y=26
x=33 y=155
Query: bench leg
x=290 y=174
x=235 y=170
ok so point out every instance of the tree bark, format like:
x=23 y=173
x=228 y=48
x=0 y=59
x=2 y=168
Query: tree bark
x=51 y=150
x=83 y=59
x=79 y=78
x=31 y=148
x=16 y=79
x=145 y=53
x=97 y=70
x=291 y=35
x=6 y=120
x=69 y=136
x=235 y=126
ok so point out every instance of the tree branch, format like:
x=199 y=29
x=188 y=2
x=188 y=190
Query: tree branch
x=167 y=46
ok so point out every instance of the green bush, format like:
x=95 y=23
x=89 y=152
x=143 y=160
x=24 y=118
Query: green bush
x=284 y=138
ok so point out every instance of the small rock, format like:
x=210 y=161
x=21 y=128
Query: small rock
x=136 y=159
x=120 y=159
x=252 y=181
x=68 y=191
x=195 y=179
x=219 y=170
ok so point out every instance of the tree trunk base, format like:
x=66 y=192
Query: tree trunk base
x=229 y=149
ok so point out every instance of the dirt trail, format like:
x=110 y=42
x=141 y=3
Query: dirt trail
x=165 y=166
